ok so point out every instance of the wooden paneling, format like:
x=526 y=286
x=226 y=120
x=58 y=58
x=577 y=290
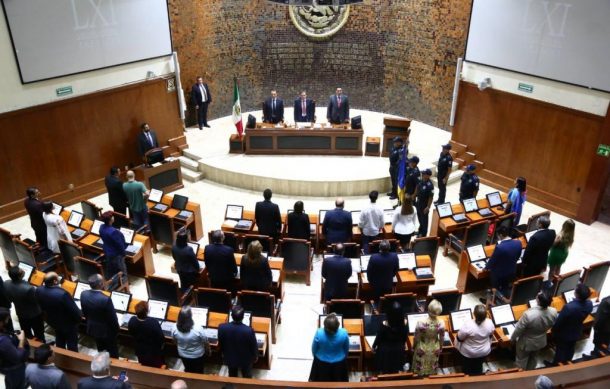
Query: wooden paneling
x=75 y=141
x=553 y=147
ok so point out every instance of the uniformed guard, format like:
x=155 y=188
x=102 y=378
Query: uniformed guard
x=412 y=178
x=394 y=157
x=423 y=201
x=445 y=161
x=469 y=186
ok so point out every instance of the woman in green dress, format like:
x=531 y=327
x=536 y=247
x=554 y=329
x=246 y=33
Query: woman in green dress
x=560 y=248
x=427 y=346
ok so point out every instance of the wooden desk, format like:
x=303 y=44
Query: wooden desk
x=166 y=177
x=355 y=327
x=195 y=224
x=406 y=281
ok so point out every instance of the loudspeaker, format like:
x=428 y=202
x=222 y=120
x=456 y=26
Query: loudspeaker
x=251 y=122
x=357 y=122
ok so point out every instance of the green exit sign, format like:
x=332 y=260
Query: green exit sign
x=63 y=91
x=526 y=87
x=603 y=150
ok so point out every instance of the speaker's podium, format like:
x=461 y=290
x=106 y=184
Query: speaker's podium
x=394 y=127
x=158 y=172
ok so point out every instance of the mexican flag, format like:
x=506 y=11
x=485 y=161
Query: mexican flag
x=237 y=110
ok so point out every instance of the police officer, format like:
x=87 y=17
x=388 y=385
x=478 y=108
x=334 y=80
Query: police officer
x=412 y=177
x=445 y=161
x=423 y=201
x=469 y=186
x=394 y=157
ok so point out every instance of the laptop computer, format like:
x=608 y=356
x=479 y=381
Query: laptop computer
x=413 y=319
x=129 y=234
x=388 y=216
x=322 y=317
x=247 y=318
x=80 y=288
x=495 y=200
x=57 y=208
x=504 y=318
x=406 y=261
x=355 y=217
x=121 y=301
x=28 y=270
x=200 y=316
x=459 y=317
x=155 y=196
x=445 y=210
x=477 y=256
x=95 y=230
x=179 y=202
x=372 y=324
x=471 y=205
x=75 y=219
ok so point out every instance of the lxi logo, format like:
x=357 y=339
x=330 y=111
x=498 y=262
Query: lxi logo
x=91 y=14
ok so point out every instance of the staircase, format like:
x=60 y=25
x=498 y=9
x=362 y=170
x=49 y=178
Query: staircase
x=189 y=165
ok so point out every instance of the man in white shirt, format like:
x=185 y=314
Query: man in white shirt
x=371 y=222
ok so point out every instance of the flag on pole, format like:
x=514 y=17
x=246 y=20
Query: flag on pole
x=237 y=110
x=402 y=174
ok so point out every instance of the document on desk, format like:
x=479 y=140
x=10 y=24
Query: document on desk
x=406 y=261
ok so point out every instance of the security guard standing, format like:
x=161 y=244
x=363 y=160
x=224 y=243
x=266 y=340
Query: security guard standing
x=445 y=162
x=423 y=201
x=394 y=157
x=469 y=186
x=412 y=178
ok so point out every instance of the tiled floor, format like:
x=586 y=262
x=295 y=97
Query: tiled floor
x=292 y=353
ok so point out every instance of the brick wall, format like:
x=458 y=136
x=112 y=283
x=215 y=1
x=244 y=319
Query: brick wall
x=394 y=56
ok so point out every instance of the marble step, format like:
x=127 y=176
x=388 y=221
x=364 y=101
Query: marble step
x=190 y=154
x=191 y=176
x=188 y=163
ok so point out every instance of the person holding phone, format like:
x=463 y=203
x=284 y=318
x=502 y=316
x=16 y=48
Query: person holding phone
x=101 y=378
x=14 y=352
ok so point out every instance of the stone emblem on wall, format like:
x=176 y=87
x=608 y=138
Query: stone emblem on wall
x=319 y=21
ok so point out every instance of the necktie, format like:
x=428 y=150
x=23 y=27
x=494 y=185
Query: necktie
x=304 y=109
x=339 y=101
x=204 y=96
x=150 y=139
x=273 y=107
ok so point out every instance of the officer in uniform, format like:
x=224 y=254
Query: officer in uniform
x=394 y=157
x=423 y=201
x=469 y=186
x=412 y=177
x=445 y=161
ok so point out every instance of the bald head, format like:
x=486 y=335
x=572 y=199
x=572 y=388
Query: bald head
x=179 y=384
x=339 y=202
x=130 y=175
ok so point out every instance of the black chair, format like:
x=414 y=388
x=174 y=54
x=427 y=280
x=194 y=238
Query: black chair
x=43 y=260
x=7 y=245
x=374 y=246
x=523 y=290
x=450 y=299
x=166 y=289
x=532 y=222
x=297 y=254
x=216 y=300
x=426 y=246
x=262 y=304
x=85 y=268
x=595 y=275
x=566 y=282
x=231 y=239
x=408 y=302
x=351 y=249
x=69 y=250
x=90 y=210
x=473 y=235
x=161 y=229
x=348 y=308
x=121 y=220
x=265 y=241
x=503 y=221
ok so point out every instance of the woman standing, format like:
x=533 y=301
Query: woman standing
x=56 y=227
x=191 y=342
x=255 y=272
x=474 y=342
x=148 y=336
x=403 y=223
x=560 y=248
x=516 y=198
x=330 y=348
x=428 y=343
x=389 y=345
x=298 y=223
x=186 y=262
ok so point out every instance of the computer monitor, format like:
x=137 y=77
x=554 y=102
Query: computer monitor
x=321 y=215
x=502 y=314
x=95 y=228
x=388 y=216
x=179 y=202
x=194 y=246
x=75 y=219
x=322 y=317
x=476 y=253
x=234 y=212
x=128 y=234
x=57 y=208
x=458 y=318
x=569 y=296
x=413 y=319
x=247 y=318
x=154 y=156
x=80 y=288
x=200 y=316
x=356 y=217
x=444 y=210
x=120 y=301
x=28 y=270
x=470 y=205
x=157 y=309
x=494 y=199
x=155 y=195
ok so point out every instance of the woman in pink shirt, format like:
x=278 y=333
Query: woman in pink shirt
x=474 y=341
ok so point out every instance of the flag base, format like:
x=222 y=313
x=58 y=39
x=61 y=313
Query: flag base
x=236 y=144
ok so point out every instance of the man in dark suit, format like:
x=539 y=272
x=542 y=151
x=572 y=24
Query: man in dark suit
x=273 y=109
x=304 y=109
x=33 y=206
x=23 y=295
x=201 y=98
x=381 y=270
x=102 y=322
x=237 y=344
x=503 y=262
x=267 y=216
x=220 y=262
x=338 y=108
x=336 y=270
x=537 y=249
x=601 y=335
x=114 y=186
x=147 y=139
x=101 y=378
x=337 y=224
x=61 y=311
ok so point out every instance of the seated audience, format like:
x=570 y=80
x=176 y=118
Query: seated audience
x=101 y=378
x=537 y=249
x=560 y=248
x=337 y=224
x=23 y=295
x=531 y=330
x=502 y=265
x=102 y=322
x=404 y=222
x=255 y=273
x=336 y=271
x=516 y=199
x=43 y=374
x=148 y=336
x=474 y=341
x=56 y=227
x=428 y=343
x=185 y=260
x=381 y=269
x=237 y=343
x=298 y=223
x=371 y=222
x=14 y=352
x=267 y=216
x=389 y=344
x=601 y=336
x=330 y=348
x=114 y=247
x=220 y=262
x=191 y=342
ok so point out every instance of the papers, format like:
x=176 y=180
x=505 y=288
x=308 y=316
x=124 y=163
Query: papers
x=502 y=314
x=260 y=339
x=200 y=316
x=27 y=270
x=80 y=288
x=157 y=309
x=470 y=205
x=476 y=253
x=155 y=195
x=322 y=317
x=120 y=301
x=494 y=199
x=128 y=234
x=234 y=212
x=414 y=319
x=444 y=210
x=75 y=219
x=528 y=235
x=406 y=261
x=95 y=228
x=247 y=318
x=458 y=318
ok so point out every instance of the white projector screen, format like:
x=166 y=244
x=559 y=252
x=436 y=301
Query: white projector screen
x=54 y=38
x=567 y=40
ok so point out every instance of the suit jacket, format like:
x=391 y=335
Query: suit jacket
x=530 y=331
x=4 y=301
x=59 y=306
x=102 y=383
x=116 y=196
x=310 y=111
x=46 y=376
x=23 y=295
x=537 y=251
x=338 y=114
x=143 y=143
x=99 y=311
x=337 y=226
x=336 y=271
x=197 y=97
x=381 y=270
x=268 y=218
x=269 y=115
x=237 y=344
x=503 y=261
x=186 y=259
x=255 y=277
x=568 y=326
x=220 y=262
x=34 y=209
x=602 y=319
x=298 y=226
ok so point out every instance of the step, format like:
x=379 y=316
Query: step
x=458 y=147
x=188 y=163
x=191 y=176
x=190 y=154
x=454 y=176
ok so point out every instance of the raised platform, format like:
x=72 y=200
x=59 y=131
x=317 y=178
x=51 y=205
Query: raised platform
x=320 y=176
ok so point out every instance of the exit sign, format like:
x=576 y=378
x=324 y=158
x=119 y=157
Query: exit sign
x=603 y=150
x=526 y=87
x=63 y=91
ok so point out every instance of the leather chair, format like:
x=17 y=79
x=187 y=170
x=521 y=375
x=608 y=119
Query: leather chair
x=523 y=290
x=166 y=289
x=232 y=240
x=594 y=276
x=7 y=245
x=450 y=299
x=426 y=246
x=43 y=260
x=121 y=220
x=85 y=268
x=503 y=221
x=216 y=300
x=265 y=241
x=532 y=222
x=348 y=308
x=69 y=250
x=408 y=302
x=473 y=235
x=566 y=282
x=298 y=255
x=374 y=246
x=262 y=304
x=90 y=210
x=161 y=229
x=351 y=249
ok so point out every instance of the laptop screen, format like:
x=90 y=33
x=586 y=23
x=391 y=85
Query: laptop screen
x=157 y=309
x=95 y=228
x=75 y=219
x=128 y=234
x=502 y=314
x=200 y=316
x=247 y=318
x=458 y=318
x=494 y=199
x=80 y=288
x=444 y=210
x=27 y=270
x=120 y=301
x=155 y=195
x=57 y=208
x=569 y=296
x=356 y=217
x=476 y=253
x=179 y=202
x=194 y=246
x=234 y=212
x=323 y=317
x=413 y=319
x=470 y=205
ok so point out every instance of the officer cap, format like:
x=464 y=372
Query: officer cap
x=471 y=168
x=447 y=146
x=397 y=139
x=427 y=172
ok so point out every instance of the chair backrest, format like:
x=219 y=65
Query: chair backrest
x=408 y=302
x=121 y=220
x=231 y=239
x=426 y=246
x=351 y=249
x=476 y=234
x=595 y=275
x=85 y=268
x=165 y=289
x=265 y=240
x=68 y=251
x=374 y=246
x=450 y=299
x=90 y=210
x=295 y=253
x=161 y=227
x=261 y=304
x=349 y=308
x=532 y=222
x=25 y=253
x=525 y=290
x=7 y=246
x=217 y=300
x=567 y=281
x=503 y=221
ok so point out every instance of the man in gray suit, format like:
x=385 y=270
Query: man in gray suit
x=23 y=295
x=530 y=331
x=338 y=108
x=43 y=373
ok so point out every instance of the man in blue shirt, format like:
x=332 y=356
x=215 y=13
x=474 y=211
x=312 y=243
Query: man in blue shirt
x=114 y=247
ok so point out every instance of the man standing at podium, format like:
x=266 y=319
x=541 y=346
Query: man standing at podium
x=273 y=109
x=304 y=110
x=147 y=139
x=201 y=98
x=338 y=108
